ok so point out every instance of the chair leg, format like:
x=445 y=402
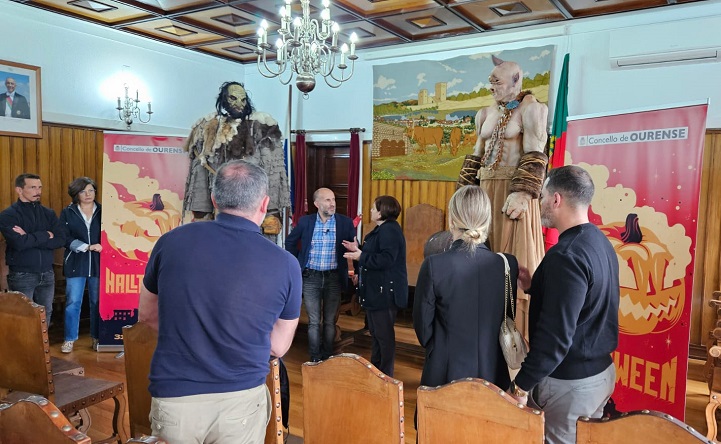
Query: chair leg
x=711 y=407
x=85 y=421
x=119 y=435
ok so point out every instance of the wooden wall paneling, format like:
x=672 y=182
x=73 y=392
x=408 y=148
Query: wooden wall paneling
x=16 y=161
x=697 y=299
x=6 y=189
x=56 y=162
x=30 y=152
x=68 y=166
x=708 y=247
x=43 y=163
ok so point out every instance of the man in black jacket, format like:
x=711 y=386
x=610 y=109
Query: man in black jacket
x=573 y=312
x=32 y=232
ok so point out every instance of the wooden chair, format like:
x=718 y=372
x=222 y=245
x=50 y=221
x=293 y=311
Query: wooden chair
x=419 y=224
x=140 y=341
x=635 y=427
x=274 y=430
x=348 y=400
x=474 y=410
x=36 y=420
x=27 y=369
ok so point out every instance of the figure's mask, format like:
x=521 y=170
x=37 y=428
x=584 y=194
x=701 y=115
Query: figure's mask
x=235 y=101
x=505 y=80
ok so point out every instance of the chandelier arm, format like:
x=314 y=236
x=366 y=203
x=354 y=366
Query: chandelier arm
x=269 y=73
x=343 y=78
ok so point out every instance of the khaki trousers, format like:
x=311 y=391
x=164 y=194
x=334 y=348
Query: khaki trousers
x=215 y=418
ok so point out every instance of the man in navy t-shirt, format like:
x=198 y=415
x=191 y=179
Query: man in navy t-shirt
x=224 y=299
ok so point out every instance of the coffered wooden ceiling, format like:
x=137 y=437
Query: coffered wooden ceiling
x=227 y=28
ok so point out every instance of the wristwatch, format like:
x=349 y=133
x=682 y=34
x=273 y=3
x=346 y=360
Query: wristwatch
x=517 y=391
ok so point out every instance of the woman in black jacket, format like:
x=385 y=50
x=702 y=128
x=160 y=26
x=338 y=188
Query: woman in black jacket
x=459 y=299
x=82 y=258
x=382 y=279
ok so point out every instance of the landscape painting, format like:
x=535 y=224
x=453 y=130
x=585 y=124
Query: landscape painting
x=423 y=111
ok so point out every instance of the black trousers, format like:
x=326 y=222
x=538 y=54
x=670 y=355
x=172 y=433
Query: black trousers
x=383 y=349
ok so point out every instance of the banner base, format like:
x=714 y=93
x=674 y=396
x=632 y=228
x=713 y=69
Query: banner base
x=110 y=348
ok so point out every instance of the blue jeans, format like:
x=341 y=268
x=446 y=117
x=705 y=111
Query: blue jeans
x=38 y=287
x=321 y=295
x=74 y=289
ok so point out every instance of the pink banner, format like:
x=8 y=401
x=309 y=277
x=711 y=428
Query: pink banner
x=646 y=167
x=143 y=184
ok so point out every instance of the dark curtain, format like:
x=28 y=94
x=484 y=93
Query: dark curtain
x=353 y=175
x=299 y=178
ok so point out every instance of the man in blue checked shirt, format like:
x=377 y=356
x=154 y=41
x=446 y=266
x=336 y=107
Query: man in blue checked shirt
x=317 y=243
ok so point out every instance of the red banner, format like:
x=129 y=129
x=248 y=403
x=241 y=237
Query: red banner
x=646 y=167
x=143 y=185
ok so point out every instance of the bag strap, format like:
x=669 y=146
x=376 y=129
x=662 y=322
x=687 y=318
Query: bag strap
x=507 y=290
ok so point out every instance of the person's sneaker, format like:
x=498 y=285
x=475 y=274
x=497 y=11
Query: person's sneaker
x=67 y=347
x=95 y=344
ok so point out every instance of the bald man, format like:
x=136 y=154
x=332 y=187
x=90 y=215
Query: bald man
x=317 y=242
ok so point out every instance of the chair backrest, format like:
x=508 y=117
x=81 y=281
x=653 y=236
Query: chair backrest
x=24 y=346
x=139 y=342
x=274 y=430
x=474 y=410
x=637 y=426
x=348 y=400
x=420 y=223
x=34 y=420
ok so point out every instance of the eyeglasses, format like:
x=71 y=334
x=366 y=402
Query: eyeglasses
x=87 y=192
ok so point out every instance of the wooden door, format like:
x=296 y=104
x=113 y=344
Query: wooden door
x=327 y=166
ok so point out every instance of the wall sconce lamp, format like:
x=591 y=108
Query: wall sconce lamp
x=128 y=109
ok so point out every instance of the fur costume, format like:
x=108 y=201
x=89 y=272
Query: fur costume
x=216 y=139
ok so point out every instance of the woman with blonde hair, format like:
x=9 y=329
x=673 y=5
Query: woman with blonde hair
x=459 y=298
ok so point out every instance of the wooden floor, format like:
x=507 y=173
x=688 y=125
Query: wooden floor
x=408 y=369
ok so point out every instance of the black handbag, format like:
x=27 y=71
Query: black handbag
x=513 y=344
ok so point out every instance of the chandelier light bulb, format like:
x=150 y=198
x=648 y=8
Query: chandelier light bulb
x=326 y=3
x=282 y=12
x=288 y=2
x=325 y=14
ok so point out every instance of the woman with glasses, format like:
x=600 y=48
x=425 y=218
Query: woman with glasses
x=81 y=264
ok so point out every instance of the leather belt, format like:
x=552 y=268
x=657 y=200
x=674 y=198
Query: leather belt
x=322 y=273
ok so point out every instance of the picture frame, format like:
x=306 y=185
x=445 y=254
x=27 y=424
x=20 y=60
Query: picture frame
x=25 y=105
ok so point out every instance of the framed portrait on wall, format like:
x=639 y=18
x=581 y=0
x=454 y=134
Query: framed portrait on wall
x=20 y=100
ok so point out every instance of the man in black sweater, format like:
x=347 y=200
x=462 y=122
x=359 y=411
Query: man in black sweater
x=573 y=312
x=32 y=232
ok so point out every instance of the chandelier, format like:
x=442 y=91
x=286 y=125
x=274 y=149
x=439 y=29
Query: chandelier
x=128 y=109
x=305 y=49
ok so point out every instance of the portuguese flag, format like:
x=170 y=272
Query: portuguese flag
x=557 y=147
x=557 y=150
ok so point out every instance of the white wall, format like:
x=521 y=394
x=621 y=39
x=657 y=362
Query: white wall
x=77 y=57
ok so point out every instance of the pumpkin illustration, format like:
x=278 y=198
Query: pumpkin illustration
x=646 y=306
